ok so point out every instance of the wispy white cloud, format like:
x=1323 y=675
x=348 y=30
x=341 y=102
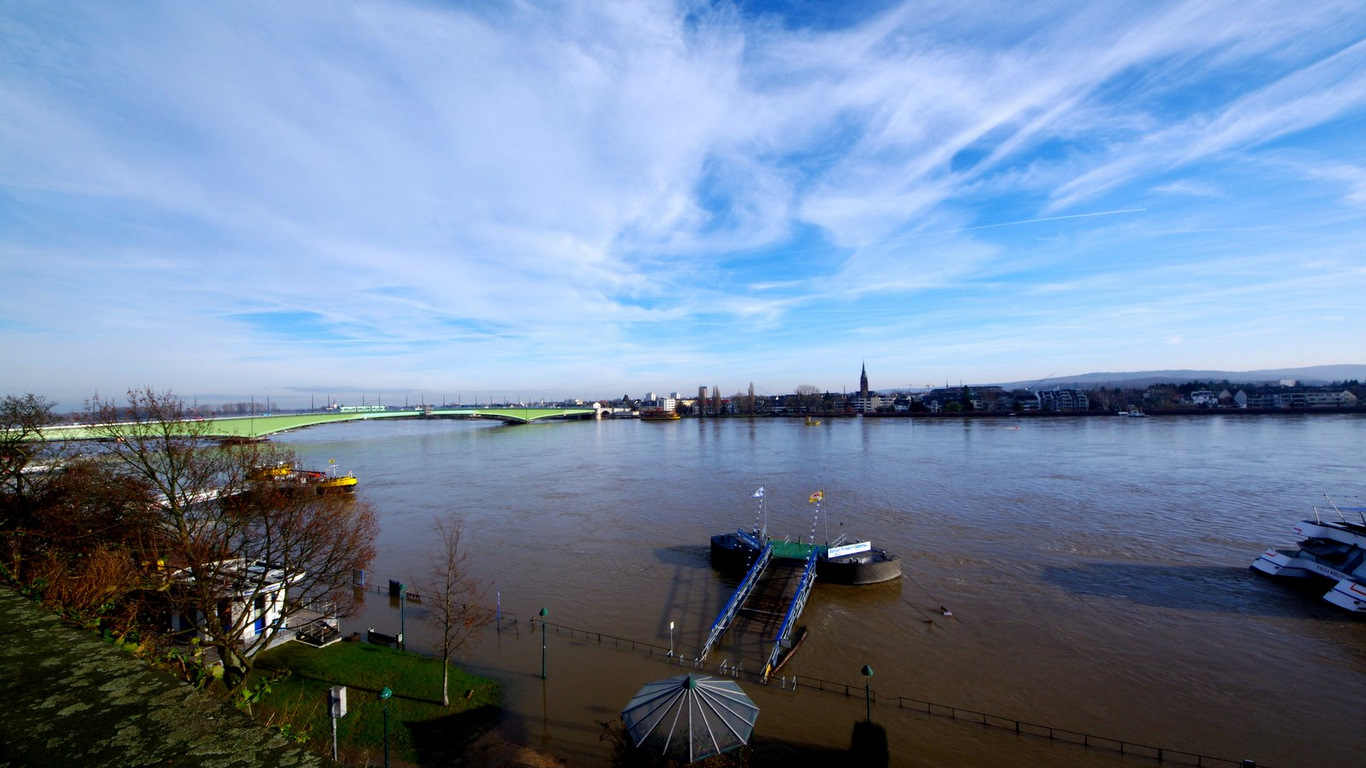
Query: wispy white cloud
x=586 y=196
x=1189 y=187
x=1350 y=178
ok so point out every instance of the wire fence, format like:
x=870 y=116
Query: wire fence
x=795 y=683
x=509 y=622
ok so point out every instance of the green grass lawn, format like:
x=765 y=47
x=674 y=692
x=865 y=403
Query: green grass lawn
x=420 y=729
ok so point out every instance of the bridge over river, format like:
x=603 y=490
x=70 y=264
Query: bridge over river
x=255 y=427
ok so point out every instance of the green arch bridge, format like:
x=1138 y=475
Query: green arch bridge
x=253 y=427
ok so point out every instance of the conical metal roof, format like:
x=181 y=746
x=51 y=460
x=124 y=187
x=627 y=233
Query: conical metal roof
x=690 y=717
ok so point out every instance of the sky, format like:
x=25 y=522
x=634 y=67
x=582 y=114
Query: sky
x=539 y=200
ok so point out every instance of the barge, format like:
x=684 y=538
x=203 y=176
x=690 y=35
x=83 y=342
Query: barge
x=285 y=477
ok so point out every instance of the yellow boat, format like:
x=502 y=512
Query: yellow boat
x=286 y=477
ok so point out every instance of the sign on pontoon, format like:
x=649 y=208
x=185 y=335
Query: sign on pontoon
x=849 y=549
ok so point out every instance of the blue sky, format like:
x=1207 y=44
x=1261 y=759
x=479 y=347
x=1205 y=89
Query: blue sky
x=533 y=200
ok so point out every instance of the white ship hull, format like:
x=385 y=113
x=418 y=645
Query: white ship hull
x=1332 y=550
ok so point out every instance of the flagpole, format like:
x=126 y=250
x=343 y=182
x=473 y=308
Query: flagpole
x=816 y=498
x=759 y=494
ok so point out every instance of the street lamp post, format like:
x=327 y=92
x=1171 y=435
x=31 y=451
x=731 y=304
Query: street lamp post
x=868 y=690
x=544 y=613
x=384 y=694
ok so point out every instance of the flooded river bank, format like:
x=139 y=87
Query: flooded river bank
x=1096 y=571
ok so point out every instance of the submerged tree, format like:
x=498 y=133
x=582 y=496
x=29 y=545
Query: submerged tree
x=231 y=549
x=456 y=608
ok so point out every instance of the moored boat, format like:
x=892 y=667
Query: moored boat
x=286 y=477
x=659 y=414
x=839 y=561
x=1329 y=549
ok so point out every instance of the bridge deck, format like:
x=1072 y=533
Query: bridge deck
x=255 y=427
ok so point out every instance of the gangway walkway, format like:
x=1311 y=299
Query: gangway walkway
x=741 y=594
x=768 y=602
x=783 y=642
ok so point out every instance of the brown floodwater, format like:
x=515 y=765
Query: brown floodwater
x=1096 y=570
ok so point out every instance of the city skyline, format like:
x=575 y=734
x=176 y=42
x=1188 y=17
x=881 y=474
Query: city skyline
x=1295 y=379
x=555 y=201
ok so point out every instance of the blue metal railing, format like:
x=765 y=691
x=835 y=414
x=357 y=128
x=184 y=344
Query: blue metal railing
x=727 y=614
x=784 y=639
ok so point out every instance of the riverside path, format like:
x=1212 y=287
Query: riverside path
x=68 y=698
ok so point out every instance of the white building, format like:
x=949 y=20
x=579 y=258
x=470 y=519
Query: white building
x=1062 y=400
x=253 y=597
x=867 y=404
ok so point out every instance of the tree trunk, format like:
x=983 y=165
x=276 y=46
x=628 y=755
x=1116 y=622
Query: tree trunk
x=445 y=680
x=235 y=667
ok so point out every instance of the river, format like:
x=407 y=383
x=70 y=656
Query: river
x=1096 y=570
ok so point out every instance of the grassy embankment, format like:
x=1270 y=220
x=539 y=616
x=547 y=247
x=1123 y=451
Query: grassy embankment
x=420 y=729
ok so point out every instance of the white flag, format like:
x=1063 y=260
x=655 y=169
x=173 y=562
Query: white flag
x=759 y=494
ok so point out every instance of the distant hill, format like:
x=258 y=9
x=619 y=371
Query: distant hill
x=1316 y=375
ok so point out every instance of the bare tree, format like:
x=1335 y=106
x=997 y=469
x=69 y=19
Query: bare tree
x=810 y=397
x=234 y=551
x=29 y=458
x=64 y=523
x=457 y=608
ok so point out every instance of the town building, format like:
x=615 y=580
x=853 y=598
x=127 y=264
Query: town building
x=1057 y=400
x=253 y=597
x=865 y=401
x=1302 y=399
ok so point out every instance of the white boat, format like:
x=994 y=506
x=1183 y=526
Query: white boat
x=1330 y=549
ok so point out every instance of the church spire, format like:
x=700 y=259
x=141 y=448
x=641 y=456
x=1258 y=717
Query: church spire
x=863 y=382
